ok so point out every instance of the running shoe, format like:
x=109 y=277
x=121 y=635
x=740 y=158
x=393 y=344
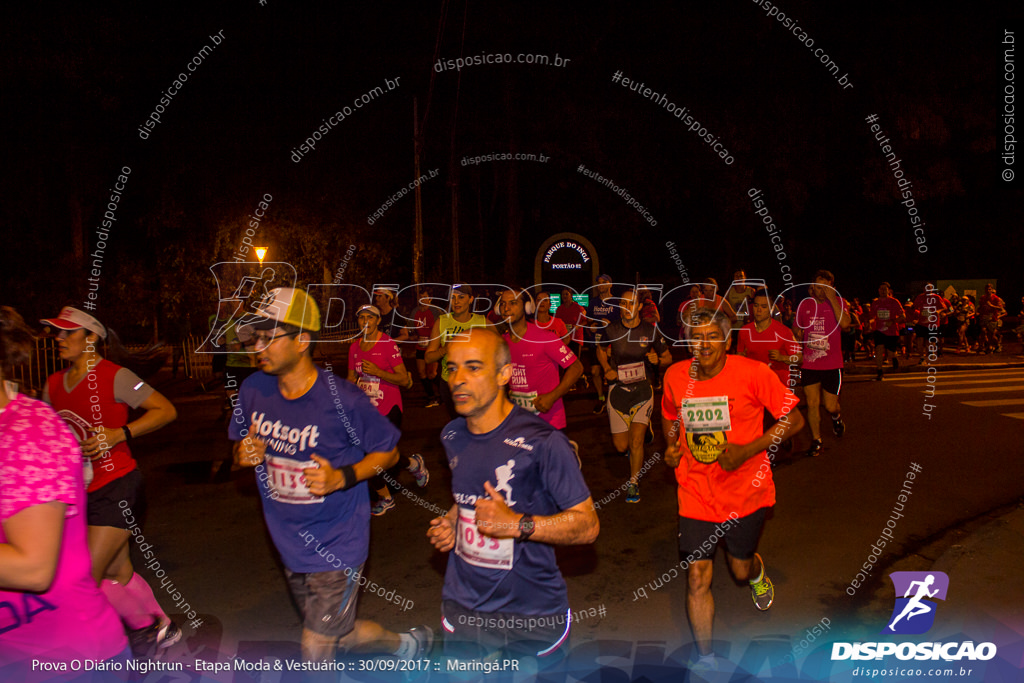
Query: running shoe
x=167 y=635
x=763 y=592
x=143 y=641
x=150 y=642
x=633 y=493
x=878 y=377
x=838 y=427
x=704 y=670
x=815 y=448
x=599 y=407
x=382 y=506
x=424 y=637
x=432 y=403
x=418 y=469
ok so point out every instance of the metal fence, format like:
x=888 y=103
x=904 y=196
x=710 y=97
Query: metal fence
x=199 y=364
x=45 y=361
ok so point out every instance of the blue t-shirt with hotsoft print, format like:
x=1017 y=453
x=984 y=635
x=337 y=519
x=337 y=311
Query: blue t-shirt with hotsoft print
x=533 y=467
x=336 y=421
x=601 y=310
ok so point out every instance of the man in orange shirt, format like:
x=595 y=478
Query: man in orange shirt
x=712 y=412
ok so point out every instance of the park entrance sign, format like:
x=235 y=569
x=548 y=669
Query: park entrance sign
x=567 y=258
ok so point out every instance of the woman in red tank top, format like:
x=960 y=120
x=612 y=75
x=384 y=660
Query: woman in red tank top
x=93 y=396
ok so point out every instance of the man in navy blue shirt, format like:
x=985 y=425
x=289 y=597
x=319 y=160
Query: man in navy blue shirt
x=314 y=439
x=600 y=313
x=518 y=492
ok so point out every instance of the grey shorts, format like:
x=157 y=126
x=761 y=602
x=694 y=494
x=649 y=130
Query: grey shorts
x=327 y=600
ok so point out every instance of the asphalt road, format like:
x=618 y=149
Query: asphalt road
x=210 y=538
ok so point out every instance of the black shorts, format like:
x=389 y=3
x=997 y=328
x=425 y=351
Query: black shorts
x=699 y=539
x=890 y=342
x=421 y=354
x=922 y=331
x=327 y=600
x=470 y=634
x=107 y=504
x=587 y=354
x=830 y=380
x=394 y=416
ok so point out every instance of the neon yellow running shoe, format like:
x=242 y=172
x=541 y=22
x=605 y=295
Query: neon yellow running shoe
x=763 y=592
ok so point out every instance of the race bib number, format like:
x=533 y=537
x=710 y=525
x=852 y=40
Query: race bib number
x=524 y=399
x=817 y=342
x=479 y=550
x=632 y=373
x=371 y=387
x=287 y=480
x=705 y=415
x=883 y=314
x=707 y=421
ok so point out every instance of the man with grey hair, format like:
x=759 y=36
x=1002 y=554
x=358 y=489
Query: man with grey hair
x=518 y=493
x=712 y=413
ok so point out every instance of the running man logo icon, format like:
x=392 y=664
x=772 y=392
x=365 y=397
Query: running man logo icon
x=503 y=475
x=914 y=612
x=241 y=294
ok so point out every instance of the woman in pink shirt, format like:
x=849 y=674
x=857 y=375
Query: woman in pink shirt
x=375 y=365
x=56 y=613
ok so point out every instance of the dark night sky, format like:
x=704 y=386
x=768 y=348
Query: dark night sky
x=79 y=80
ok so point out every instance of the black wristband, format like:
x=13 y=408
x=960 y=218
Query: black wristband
x=127 y=433
x=349 y=473
x=526 y=528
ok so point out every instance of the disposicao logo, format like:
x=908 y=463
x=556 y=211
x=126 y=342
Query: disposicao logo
x=913 y=614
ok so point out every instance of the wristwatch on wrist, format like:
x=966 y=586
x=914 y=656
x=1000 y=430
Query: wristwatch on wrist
x=526 y=527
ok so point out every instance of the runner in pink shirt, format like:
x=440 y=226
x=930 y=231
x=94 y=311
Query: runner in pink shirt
x=56 y=612
x=888 y=317
x=375 y=365
x=820 y=319
x=536 y=357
